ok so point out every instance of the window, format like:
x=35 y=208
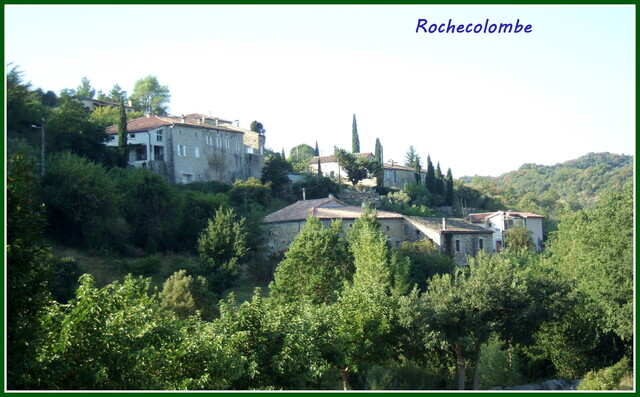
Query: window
x=132 y=136
x=196 y=152
x=227 y=143
x=209 y=140
x=457 y=245
x=182 y=150
x=159 y=136
x=417 y=232
x=481 y=244
x=158 y=153
x=219 y=142
x=237 y=145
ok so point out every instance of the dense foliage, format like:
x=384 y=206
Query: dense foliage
x=344 y=311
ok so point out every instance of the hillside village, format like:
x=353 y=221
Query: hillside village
x=148 y=251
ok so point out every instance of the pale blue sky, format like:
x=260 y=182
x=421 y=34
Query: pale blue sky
x=478 y=103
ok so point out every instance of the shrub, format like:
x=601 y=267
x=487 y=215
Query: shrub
x=499 y=367
x=608 y=378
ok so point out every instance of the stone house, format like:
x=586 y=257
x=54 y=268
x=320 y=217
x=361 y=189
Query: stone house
x=395 y=175
x=193 y=148
x=455 y=237
x=501 y=221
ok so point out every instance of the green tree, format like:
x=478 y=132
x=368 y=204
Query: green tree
x=449 y=188
x=356 y=167
x=364 y=325
x=411 y=156
x=519 y=238
x=379 y=157
x=299 y=157
x=276 y=171
x=257 y=126
x=417 y=171
x=355 y=141
x=150 y=97
x=599 y=257
x=221 y=246
x=28 y=273
x=122 y=134
x=315 y=267
x=439 y=181
x=115 y=95
x=317 y=151
x=85 y=90
x=431 y=176
x=24 y=108
x=81 y=202
x=187 y=296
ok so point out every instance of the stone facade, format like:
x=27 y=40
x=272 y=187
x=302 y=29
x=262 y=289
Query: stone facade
x=196 y=148
x=454 y=237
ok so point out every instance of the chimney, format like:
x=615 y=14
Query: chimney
x=182 y=121
x=203 y=117
x=444 y=223
x=330 y=195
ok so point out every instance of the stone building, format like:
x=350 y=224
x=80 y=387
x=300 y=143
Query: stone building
x=455 y=237
x=395 y=175
x=193 y=148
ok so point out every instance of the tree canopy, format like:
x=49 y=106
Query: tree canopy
x=150 y=97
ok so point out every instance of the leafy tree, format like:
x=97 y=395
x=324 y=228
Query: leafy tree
x=519 y=238
x=28 y=273
x=85 y=90
x=364 y=326
x=299 y=157
x=115 y=95
x=184 y=296
x=355 y=141
x=426 y=261
x=316 y=187
x=24 y=108
x=599 y=258
x=276 y=171
x=69 y=128
x=194 y=208
x=257 y=126
x=245 y=195
x=221 y=246
x=315 y=267
x=356 y=167
x=150 y=97
x=150 y=209
x=81 y=200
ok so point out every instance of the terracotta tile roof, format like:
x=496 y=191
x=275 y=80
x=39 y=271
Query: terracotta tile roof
x=388 y=166
x=453 y=225
x=327 y=208
x=148 y=123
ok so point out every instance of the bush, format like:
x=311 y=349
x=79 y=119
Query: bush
x=499 y=368
x=404 y=376
x=65 y=278
x=608 y=378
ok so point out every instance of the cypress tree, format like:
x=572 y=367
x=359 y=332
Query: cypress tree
x=439 y=181
x=416 y=170
x=449 y=190
x=283 y=156
x=319 y=168
x=122 y=134
x=355 y=141
x=431 y=177
x=317 y=150
x=380 y=160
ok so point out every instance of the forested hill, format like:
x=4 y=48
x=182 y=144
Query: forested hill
x=575 y=181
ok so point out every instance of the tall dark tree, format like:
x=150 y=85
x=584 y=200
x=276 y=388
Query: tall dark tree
x=122 y=134
x=449 y=188
x=379 y=157
x=417 y=170
x=28 y=273
x=439 y=181
x=431 y=175
x=355 y=141
x=317 y=150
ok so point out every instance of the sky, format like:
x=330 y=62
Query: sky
x=478 y=103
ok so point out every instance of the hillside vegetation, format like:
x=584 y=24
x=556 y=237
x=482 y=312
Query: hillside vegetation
x=556 y=189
